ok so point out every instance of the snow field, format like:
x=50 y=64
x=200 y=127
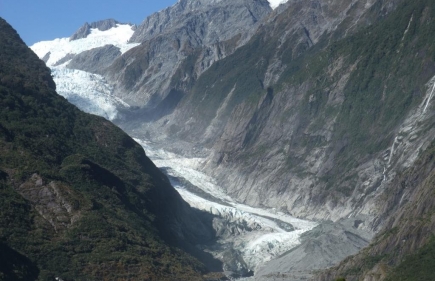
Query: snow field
x=90 y=92
x=275 y=3
x=59 y=48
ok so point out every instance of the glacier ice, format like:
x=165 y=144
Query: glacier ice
x=267 y=238
x=90 y=92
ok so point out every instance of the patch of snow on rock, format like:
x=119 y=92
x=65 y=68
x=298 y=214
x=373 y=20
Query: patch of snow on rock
x=275 y=3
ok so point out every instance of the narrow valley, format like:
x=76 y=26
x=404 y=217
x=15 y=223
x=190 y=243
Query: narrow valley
x=246 y=140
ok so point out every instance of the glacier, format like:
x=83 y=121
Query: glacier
x=255 y=235
x=88 y=91
x=271 y=233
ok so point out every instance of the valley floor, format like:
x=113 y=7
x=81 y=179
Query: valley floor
x=257 y=235
x=248 y=239
x=268 y=243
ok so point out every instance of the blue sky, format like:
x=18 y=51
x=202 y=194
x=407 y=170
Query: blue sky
x=38 y=20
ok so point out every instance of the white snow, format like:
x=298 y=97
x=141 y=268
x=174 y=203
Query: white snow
x=257 y=247
x=275 y=3
x=59 y=48
x=89 y=92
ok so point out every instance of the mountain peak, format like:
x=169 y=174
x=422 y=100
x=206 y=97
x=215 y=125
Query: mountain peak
x=101 y=25
x=223 y=17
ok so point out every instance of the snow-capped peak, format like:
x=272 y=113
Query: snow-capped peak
x=61 y=47
x=275 y=3
x=89 y=91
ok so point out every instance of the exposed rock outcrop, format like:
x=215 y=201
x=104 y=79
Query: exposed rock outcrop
x=85 y=30
x=323 y=247
x=273 y=113
x=95 y=60
x=404 y=248
x=181 y=42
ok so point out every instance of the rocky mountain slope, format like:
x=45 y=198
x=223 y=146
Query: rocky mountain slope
x=404 y=249
x=320 y=109
x=79 y=198
x=208 y=29
x=178 y=44
x=322 y=138
x=356 y=115
x=320 y=116
x=277 y=112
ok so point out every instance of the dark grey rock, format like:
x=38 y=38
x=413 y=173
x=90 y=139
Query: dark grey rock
x=95 y=60
x=64 y=59
x=190 y=32
x=46 y=57
x=234 y=265
x=324 y=246
x=83 y=32
x=211 y=21
x=104 y=25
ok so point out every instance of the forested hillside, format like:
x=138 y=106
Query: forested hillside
x=79 y=199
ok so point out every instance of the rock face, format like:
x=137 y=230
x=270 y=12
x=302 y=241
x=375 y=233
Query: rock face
x=276 y=113
x=206 y=21
x=321 y=248
x=52 y=201
x=181 y=42
x=298 y=136
x=404 y=249
x=95 y=60
x=85 y=30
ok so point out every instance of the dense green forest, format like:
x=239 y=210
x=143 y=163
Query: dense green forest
x=79 y=199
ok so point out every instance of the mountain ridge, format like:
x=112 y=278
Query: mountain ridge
x=201 y=32
x=79 y=198
x=210 y=103
x=101 y=25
